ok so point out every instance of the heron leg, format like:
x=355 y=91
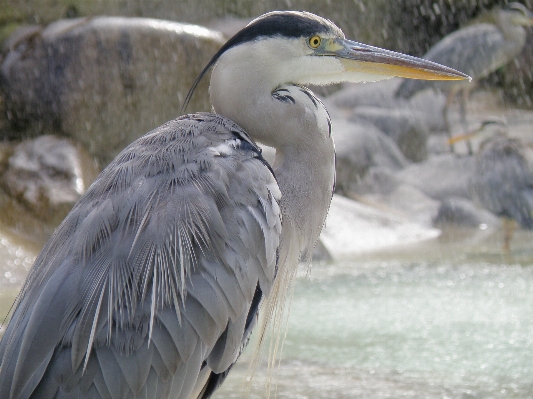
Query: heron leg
x=465 y=93
x=449 y=100
x=509 y=226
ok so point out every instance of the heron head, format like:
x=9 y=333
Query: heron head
x=519 y=14
x=489 y=127
x=302 y=48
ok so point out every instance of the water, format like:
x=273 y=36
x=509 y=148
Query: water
x=16 y=257
x=444 y=323
x=447 y=318
x=430 y=321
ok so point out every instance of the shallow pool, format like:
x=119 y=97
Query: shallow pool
x=447 y=318
x=451 y=318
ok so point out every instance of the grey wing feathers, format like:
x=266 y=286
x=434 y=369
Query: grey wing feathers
x=153 y=274
x=476 y=50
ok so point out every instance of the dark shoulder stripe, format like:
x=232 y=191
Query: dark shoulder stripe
x=310 y=94
x=286 y=98
x=248 y=144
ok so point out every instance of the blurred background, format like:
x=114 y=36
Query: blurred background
x=422 y=282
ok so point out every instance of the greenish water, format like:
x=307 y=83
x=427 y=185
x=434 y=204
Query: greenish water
x=448 y=318
x=16 y=257
x=451 y=318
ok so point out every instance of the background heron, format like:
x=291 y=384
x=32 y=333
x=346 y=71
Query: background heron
x=151 y=285
x=502 y=181
x=477 y=50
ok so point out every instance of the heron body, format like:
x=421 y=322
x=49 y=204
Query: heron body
x=502 y=180
x=151 y=285
x=477 y=50
x=173 y=185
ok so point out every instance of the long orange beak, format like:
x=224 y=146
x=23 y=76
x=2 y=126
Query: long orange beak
x=362 y=58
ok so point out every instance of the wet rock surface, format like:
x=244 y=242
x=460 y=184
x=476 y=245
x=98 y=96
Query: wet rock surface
x=359 y=147
x=463 y=212
x=432 y=192
x=353 y=228
x=425 y=108
x=47 y=175
x=408 y=132
x=104 y=81
x=441 y=176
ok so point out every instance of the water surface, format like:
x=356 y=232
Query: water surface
x=450 y=318
x=446 y=318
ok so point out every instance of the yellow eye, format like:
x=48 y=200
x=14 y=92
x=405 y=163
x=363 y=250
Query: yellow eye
x=314 y=41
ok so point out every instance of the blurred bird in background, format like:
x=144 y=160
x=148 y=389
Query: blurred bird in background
x=477 y=50
x=502 y=181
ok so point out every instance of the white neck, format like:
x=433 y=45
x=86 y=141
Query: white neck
x=299 y=131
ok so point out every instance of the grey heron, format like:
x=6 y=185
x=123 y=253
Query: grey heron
x=151 y=285
x=478 y=50
x=502 y=181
